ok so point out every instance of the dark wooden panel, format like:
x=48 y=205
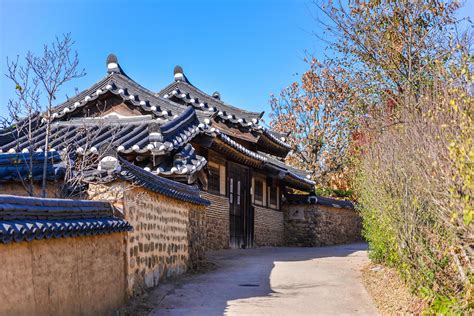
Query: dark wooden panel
x=241 y=214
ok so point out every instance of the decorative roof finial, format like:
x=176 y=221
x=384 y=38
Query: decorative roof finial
x=216 y=95
x=109 y=164
x=112 y=64
x=179 y=74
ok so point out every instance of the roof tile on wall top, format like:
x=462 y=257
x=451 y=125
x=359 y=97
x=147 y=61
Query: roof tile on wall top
x=30 y=218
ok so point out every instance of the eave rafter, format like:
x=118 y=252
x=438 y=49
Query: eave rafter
x=279 y=140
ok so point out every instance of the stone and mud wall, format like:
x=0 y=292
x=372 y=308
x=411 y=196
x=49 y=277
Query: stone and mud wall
x=196 y=237
x=168 y=237
x=67 y=276
x=310 y=225
x=158 y=246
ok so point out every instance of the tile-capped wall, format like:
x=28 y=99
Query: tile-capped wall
x=158 y=245
x=65 y=276
x=168 y=237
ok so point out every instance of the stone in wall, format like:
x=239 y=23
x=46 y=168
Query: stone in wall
x=158 y=246
x=196 y=236
x=318 y=225
x=17 y=188
x=168 y=238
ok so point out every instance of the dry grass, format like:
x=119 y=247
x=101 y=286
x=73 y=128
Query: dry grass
x=389 y=292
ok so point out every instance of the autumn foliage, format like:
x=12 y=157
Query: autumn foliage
x=392 y=116
x=315 y=112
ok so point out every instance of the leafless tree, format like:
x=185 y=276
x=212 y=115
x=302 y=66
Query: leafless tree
x=82 y=157
x=37 y=82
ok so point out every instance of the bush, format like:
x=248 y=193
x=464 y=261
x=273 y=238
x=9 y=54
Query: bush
x=414 y=194
x=411 y=99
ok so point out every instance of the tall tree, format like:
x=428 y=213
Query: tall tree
x=406 y=73
x=315 y=110
x=410 y=78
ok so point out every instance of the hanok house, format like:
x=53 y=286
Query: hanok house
x=180 y=134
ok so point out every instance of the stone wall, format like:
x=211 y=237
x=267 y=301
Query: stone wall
x=67 y=276
x=196 y=236
x=315 y=225
x=269 y=227
x=159 y=245
x=168 y=238
x=217 y=221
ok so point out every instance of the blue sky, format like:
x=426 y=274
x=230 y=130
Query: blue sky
x=243 y=49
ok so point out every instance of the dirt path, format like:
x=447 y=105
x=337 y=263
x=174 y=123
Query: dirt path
x=273 y=281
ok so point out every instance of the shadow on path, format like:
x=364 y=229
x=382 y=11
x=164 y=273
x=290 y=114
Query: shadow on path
x=272 y=281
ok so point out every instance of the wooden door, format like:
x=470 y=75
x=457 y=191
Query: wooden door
x=241 y=215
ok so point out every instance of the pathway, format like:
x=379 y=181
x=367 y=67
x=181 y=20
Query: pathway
x=273 y=281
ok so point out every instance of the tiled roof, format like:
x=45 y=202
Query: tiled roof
x=185 y=161
x=130 y=91
x=279 y=135
x=88 y=134
x=125 y=135
x=272 y=144
x=192 y=96
x=132 y=134
x=199 y=99
x=14 y=167
x=29 y=218
x=10 y=133
x=164 y=128
x=318 y=200
x=297 y=174
x=233 y=116
x=161 y=185
x=276 y=137
x=238 y=146
x=179 y=131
